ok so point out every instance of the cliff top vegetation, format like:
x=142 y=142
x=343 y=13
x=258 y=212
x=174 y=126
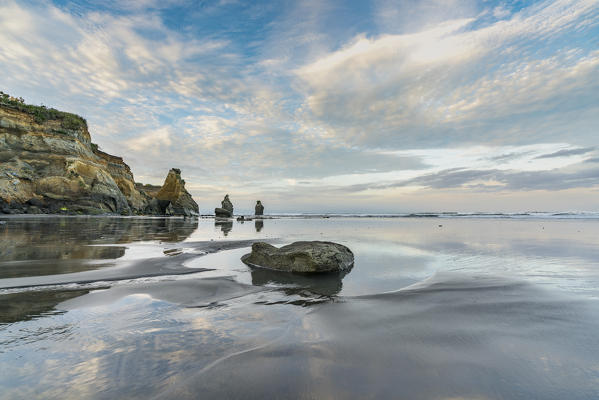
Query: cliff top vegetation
x=42 y=113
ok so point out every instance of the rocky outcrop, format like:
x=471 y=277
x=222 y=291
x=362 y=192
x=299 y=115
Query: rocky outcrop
x=150 y=190
x=226 y=204
x=226 y=209
x=173 y=196
x=259 y=209
x=48 y=164
x=123 y=177
x=222 y=213
x=305 y=257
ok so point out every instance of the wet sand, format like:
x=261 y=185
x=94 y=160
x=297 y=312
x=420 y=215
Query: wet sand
x=477 y=309
x=144 y=268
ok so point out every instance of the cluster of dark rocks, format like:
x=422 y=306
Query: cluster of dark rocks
x=226 y=208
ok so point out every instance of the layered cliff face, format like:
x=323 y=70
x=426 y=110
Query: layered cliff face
x=48 y=164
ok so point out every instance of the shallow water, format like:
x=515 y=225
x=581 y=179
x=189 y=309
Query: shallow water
x=477 y=308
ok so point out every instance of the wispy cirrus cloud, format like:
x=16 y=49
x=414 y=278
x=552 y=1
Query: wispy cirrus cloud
x=568 y=152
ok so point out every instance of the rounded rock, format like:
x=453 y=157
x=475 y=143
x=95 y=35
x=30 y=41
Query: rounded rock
x=305 y=257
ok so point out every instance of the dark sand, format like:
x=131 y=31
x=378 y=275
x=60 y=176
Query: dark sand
x=478 y=309
x=149 y=267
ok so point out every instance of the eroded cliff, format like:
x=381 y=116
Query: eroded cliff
x=48 y=164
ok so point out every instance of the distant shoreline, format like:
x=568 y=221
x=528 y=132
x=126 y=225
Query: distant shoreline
x=426 y=215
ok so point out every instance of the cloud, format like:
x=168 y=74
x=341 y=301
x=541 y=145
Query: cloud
x=552 y=180
x=500 y=12
x=493 y=180
x=98 y=54
x=457 y=81
x=522 y=158
x=154 y=141
x=568 y=152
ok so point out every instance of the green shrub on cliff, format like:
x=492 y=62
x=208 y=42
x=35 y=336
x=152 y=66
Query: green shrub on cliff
x=72 y=121
x=42 y=113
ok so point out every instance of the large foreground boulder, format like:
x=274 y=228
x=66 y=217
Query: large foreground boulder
x=306 y=257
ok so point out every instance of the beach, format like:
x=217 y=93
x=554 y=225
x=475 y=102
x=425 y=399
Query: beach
x=454 y=307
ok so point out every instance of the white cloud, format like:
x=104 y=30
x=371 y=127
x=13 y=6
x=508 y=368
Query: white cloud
x=500 y=12
x=519 y=87
x=153 y=141
x=392 y=88
x=96 y=54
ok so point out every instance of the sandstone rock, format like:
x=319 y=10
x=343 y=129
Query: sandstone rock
x=227 y=205
x=306 y=257
x=173 y=190
x=48 y=155
x=226 y=209
x=259 y=209
x=150 y=190
x=156 y=207
x=222 y=213
x=170 y=210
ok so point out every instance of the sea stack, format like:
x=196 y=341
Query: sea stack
x=259 y=209
x=226 y=210
x=173 y=198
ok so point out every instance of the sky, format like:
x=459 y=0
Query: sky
x=370 y=106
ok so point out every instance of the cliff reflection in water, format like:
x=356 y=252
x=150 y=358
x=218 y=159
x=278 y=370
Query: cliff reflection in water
x=57 y=245
x=226 y=225
x=25 y=306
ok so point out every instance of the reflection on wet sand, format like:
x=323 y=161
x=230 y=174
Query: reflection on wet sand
x=329 y=284
x=27 y=305
x=59 y=245
x=455 y=338
x=225 y=225
x=478 y=309
x=259 y=224
x=199 y=292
